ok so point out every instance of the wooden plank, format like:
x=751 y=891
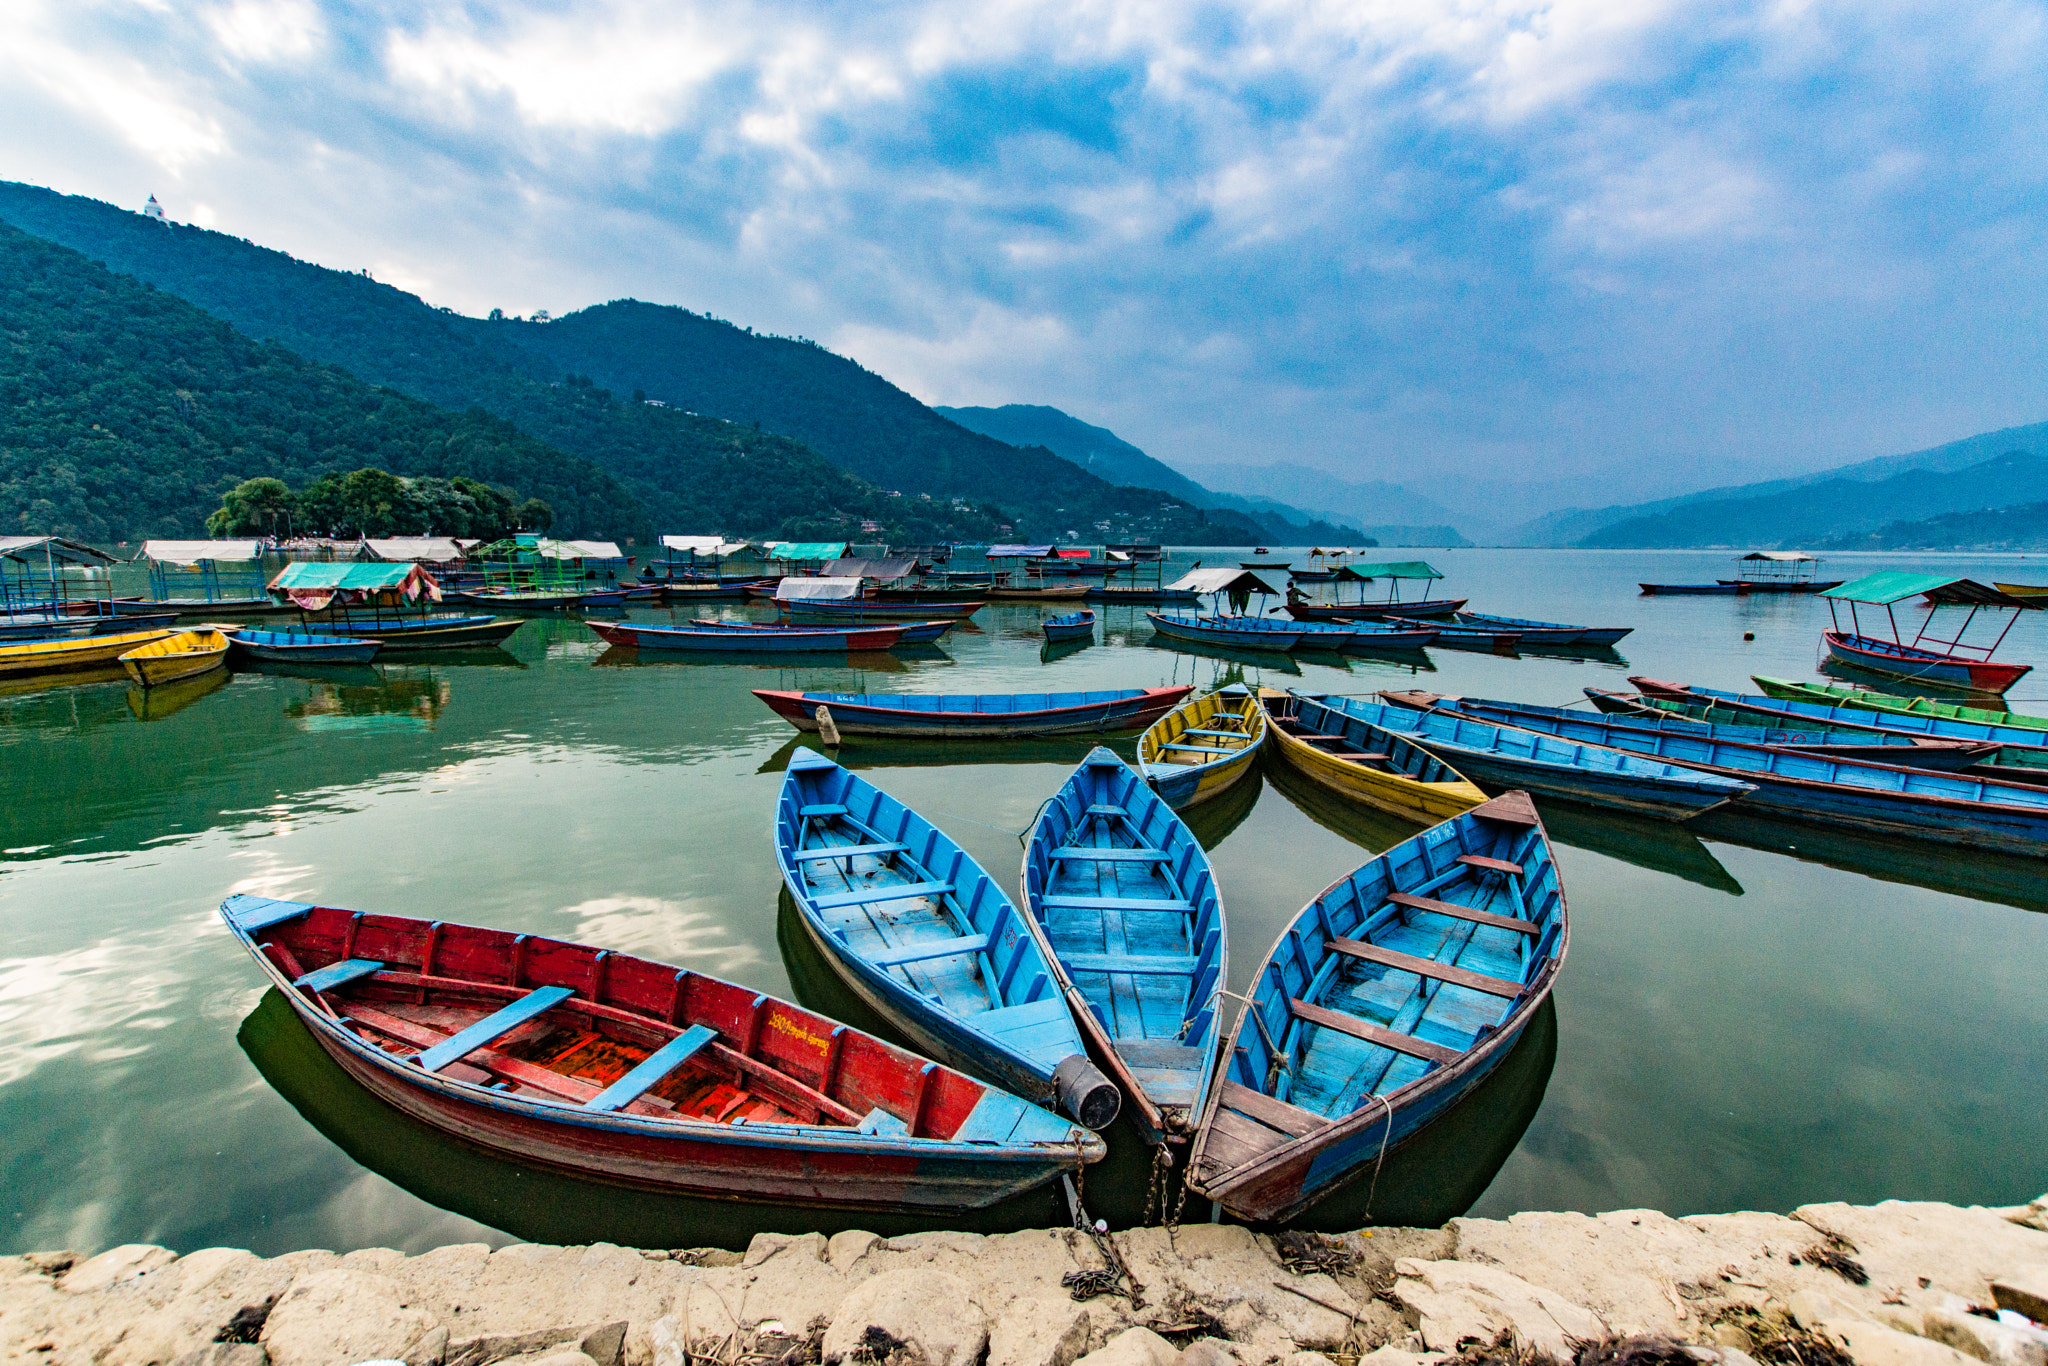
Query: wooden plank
x=512 y=1069
x=493 y=1026
x=1218 y=734
x=850 y=851
x=1112 y=903
x=252 y=913
x=1105 y=809
x=929 y=949
x=1427 y=967
x=1491 y=865
x=1274 y=1114
x=338 y=974
x=903 y=891
x=1138 y=965
x=1112 y=855
x=1424 y=903
x=1256 y=1137
x=821 y=809
x=653 y=1069
x=1372 y=1033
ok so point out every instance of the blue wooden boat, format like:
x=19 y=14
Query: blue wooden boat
x=1914 y=665
x=1203 y=747
x=1245 y=633
x=420 y=633
x=1457 y=635
x=1123 y=897
x=1845 y=742
x=920 y=933
x=1368 y=636
x=1389 y=998
x=913 y=632
x=1073 y=626
x=298 y=647
x=998 y=715
x=1545 y=632
x=794 y=640
x=641 y=1074
x=1946 y=808
x=2023 y=746
x=1503 y=757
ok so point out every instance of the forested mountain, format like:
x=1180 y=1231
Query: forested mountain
x=2013 y=528
x=126 y=412
x=694 y=472
x=1106 y=455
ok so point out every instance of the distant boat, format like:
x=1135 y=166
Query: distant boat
x=420 y=633
x=783 y=640
x=1073 y=626
x=2022 y=590
x=1244 y=633
x=1122 y=895
x=1365 y=763
x=1392 y=995
x=181 y=655
x=986 y=715
x=1203 y=747
x=1692 y=590
x=642 y=1074
x=1780 y=571
x=299 y=647
x=925 y=937
x=1546 y=632
x=1914 y=665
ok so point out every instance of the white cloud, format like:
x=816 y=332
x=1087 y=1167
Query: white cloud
x=267 y=30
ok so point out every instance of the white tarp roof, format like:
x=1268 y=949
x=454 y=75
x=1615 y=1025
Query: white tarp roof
x=580 y=550
x=197 y=552
x=1783 y=556
x=1207 y=581
x=704 y=545
x=815 y=590
x=439 y=548
x=57 y=548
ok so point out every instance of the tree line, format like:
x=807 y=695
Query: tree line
x=375 y=502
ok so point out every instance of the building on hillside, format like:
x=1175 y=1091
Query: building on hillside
x=153 y=210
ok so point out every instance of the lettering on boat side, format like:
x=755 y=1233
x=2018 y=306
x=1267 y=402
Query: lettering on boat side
x=790 y=1027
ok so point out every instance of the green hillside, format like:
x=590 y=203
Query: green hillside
x=2013 y=528
x=691 y=474
x=126 y=413
x=1833 y=508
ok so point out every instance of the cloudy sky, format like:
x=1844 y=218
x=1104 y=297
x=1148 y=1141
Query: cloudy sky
x=1599 y=248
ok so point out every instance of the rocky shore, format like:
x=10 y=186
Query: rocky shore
x=1895 y=1284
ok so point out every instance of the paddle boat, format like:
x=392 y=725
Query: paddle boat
x=1072 y=626
x=1124 y=902
x=182 y=654
x=1366 y=763
x=633 y=635
x=1202 y=747
x=989 y=715
x=1389 y=998
x=1945 y=808
x=924 y=937
x=639 y=1073
x=298 y=647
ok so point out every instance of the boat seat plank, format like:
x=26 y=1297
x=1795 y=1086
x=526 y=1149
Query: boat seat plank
x=1218 y=734
x=493 y=1026
x=1012 y=1019
x=851 y=851
x=929 y=949
x=1274 y=1114
x=338 y=974
x=1427 y=967
x=1364 y=758
x=879 y=1123
x=253 y=913
x=1200 y=749
x=1139 y=965
x=1320 y=739
x=1114 y=903
x=821 y=809
x=1159 y=1054
x=652 y=1069
x=492 y=1064
x=1105 y=809
x=1112 y=855
x=1246 y=1132
x=1424 y=903
x=992 y=1120
x=902 y=891
x=1491 y=865
x=1372 y=1033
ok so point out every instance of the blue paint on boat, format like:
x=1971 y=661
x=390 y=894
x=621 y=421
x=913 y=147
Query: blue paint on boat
x=920 y=932
x=1122 y=895
x=1073 y=626
x=1864 y=718
x=1256 y=633
x=301 y=647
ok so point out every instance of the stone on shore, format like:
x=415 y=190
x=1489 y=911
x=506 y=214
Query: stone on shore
x=1458 y=1304
x=930 y=1314
x=1133 y=1347
x=1039 y=1330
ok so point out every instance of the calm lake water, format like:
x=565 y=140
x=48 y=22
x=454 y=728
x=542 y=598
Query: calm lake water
x=1752 y=1016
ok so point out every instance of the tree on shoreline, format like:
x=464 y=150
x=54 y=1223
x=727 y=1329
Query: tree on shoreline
x=375 y=502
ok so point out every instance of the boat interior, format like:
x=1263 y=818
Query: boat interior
x=1225 y=722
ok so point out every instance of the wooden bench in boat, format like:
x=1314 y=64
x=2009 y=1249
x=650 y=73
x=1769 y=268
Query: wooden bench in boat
x=820 y=810
x=850 y=851
x=1424 y=903
x=1106 y=809
x=1490 y=865
x=1137 y=965
x=1114 y=903
x=338 y=974
x=1218 y=734
x=1112 y=855
x=930 y=949
x=492 y=1027
x=1426 y=967
x=1362 y=757
x=1291 y=1120
x=652 y=1069
x=1372 y=1033
x=1203 y=749
x=902 y=891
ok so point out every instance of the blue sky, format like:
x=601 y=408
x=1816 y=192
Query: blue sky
x=1508 y=253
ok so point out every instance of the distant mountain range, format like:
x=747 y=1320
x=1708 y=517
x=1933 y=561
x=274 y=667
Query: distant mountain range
x=725 y=430
x=1102 y=452
x=2015 y=528
x=1390 y=513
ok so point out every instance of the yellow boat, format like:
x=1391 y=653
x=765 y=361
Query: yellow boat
x=2023 y=590
x=183 y=654
x=1200 y=748
x=1393 y=773
x=64 y=656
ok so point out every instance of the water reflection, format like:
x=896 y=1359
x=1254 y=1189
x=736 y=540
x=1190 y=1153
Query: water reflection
x=1213 y=820
x=1367 y=827
x=1054 y=650
x=1979 y=873
x=868 y=661
x=1660 y=846
x=1270 y=661
x=391 y=701
x=167 y=699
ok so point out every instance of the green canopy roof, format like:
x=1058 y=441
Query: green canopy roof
x=808 y=550
x=1888 y=586
x=1398 y=569
x=352 y=575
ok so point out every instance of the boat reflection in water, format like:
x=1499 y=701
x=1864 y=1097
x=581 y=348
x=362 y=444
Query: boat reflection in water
x=1660 y=846
x=392 y=700
x=541 y=1204
x=154 y=704
x=1212 y=821
x=1368 y=827
x=1269 y=661
x=1981 y=874
x=1060 y=649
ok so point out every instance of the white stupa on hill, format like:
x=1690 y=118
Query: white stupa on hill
x=153 y=210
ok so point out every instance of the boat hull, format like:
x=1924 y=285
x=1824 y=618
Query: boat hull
x=786 y=642
x=1427 y=609
x=1425 y=801
x=67 y=656
x=461 y=634
x=303 y=650
x=1181 y=786
x=199 y=652
x=1209 y=633
x=1922 y=666
x=1691 y=590
x=1759 y=586
x=863 y=610
x=1102 y=714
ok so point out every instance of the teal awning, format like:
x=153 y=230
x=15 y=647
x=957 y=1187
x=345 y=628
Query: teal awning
x=1888 y=586
x=1397 y=569
x=313 y=585
x=808 y=550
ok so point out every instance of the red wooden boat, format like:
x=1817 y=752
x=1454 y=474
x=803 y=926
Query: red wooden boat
x=639 y=1073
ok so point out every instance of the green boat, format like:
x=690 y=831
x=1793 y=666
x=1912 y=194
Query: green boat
x=1835 y=695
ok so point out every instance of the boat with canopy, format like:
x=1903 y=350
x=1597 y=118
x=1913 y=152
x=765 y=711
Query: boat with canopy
x=1396 y=573
x=1928 y=658
x=367 y=600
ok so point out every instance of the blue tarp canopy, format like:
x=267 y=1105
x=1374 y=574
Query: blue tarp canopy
x=1398 y=569
x=807 y=550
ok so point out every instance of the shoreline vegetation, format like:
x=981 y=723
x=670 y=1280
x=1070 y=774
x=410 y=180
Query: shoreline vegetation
x=1894 y=1284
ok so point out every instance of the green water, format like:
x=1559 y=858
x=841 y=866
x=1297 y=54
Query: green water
x=1751 y=1015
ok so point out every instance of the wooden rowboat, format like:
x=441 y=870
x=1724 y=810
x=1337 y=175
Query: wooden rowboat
x=1203 y=747
x=984 y=715
x=1426 y=609
x=180 y=655
x=1834 y=694
x=638 y=1073
x=298 y=647
x=1873 y=744
x=1390 y=997
x=913 y=632
x=65 y=656
x=1914 y=665
x=1073 y=626
x=1366 y=763
x=634 y=635
x=1244 y=633
x=422 y=633
x=926 y=938
x=829 y=612
x=1124 y=901
x=1546 y=632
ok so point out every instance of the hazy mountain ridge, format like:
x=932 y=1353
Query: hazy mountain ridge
x=2013 y=528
